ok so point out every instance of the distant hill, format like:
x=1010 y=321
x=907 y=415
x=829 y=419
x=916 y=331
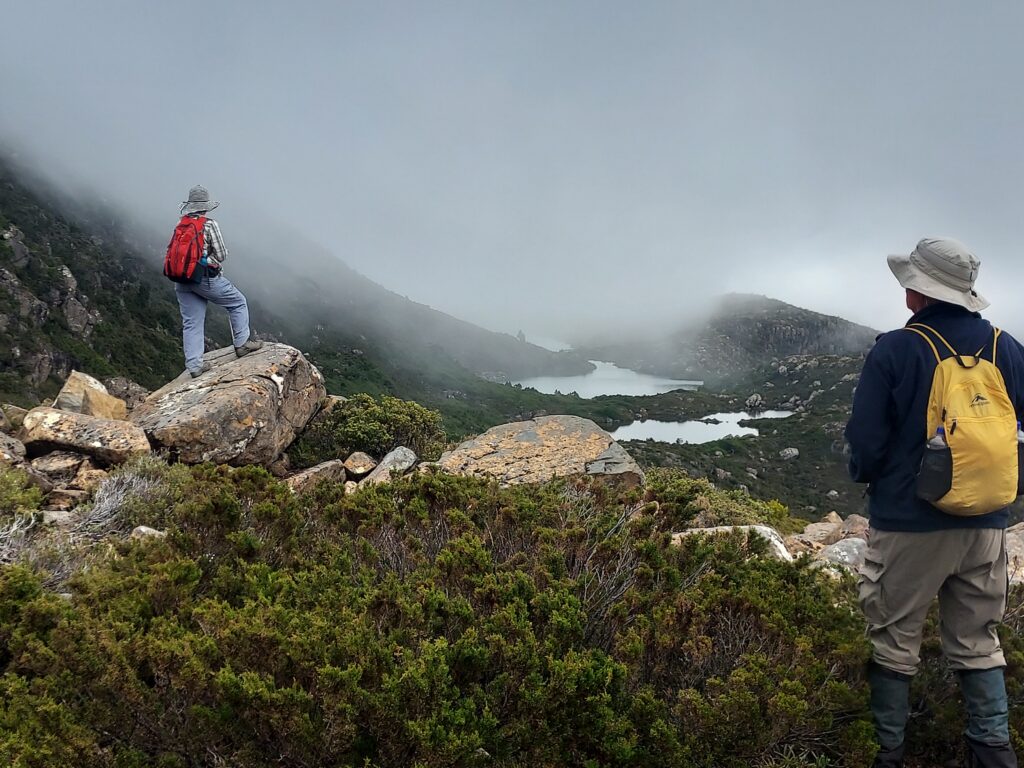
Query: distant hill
x=742 y=333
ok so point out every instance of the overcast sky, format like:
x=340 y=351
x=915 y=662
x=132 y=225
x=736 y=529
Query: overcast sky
x=552 y=165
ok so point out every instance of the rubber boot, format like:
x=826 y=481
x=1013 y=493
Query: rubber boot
x=890 y=704
x=988 y=719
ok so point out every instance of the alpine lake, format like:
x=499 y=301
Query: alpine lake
x=610 y=379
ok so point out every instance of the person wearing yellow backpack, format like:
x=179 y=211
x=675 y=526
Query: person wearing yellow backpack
x=934 y=433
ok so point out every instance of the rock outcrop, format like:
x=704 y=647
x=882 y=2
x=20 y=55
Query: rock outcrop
x=538 y=450
x=244 y=411
x=111 y=441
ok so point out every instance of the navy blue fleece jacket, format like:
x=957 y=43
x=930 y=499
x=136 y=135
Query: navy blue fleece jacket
x=887 y=430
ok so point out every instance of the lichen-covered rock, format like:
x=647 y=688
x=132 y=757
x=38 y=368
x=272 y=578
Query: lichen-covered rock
x=333 y=471
x=12 y=451
x=359 y=464
x=126 y=389
x=398 y=461
x=540 y=449
x=245 y=411
x=15 y=414
x=848 y=553
x=788 y=454
x=82 y=393
x=5 y=424
x=110 y=440
x=59 y=466
x=776 y=546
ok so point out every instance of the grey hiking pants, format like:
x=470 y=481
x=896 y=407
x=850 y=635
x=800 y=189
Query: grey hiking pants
x=192 y=300
x=904 y=572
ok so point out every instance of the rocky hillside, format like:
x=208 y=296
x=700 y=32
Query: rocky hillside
x=742 y=334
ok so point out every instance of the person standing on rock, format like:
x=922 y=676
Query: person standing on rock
x=930 y=540
x=194 y=262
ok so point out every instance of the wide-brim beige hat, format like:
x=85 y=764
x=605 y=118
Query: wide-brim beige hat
x=943 y=269
x=198 y=201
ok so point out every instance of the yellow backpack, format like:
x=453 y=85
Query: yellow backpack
x=969 y=400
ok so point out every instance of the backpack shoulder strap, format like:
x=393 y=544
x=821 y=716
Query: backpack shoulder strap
x=923 y=335
x=996 y=333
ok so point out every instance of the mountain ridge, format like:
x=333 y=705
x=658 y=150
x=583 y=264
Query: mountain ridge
x=742 y=333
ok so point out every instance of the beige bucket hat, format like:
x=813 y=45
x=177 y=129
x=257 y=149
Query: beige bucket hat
x=198 y=201
x=943 y=269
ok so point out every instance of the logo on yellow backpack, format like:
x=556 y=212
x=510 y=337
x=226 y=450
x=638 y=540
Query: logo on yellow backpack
x=969 y=401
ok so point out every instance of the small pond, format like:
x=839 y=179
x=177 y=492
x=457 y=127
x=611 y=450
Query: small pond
x=714 y=427
x=608 y=379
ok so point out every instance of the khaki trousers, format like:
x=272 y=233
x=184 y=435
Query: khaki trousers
x=904 y=572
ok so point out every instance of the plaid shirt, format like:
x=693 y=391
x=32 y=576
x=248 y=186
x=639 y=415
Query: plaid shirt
x=215 y=250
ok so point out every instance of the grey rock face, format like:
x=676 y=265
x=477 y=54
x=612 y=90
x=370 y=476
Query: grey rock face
x=244 y=411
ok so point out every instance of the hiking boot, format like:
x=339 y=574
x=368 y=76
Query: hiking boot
x=250 y=346
x=988 y=756
x=889 y=758
x=196 y=374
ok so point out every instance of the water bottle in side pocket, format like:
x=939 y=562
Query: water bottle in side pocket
x=935 y=477
x=1020 y=460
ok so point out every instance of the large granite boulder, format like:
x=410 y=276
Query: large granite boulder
x=112 y=441
x=540 y=449
x=82 y=393
x=244 y=411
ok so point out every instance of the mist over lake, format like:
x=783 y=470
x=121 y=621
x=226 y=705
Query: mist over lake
x=608 y=379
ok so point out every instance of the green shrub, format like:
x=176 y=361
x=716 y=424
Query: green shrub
x=375 y=427
x=687 y=502
x=434 y=621
x=17 y=493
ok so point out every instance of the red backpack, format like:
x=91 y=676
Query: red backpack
x=181 y=264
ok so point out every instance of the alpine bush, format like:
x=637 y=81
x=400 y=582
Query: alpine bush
x=17 y=493
x=436 y=621
x=376 y=427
